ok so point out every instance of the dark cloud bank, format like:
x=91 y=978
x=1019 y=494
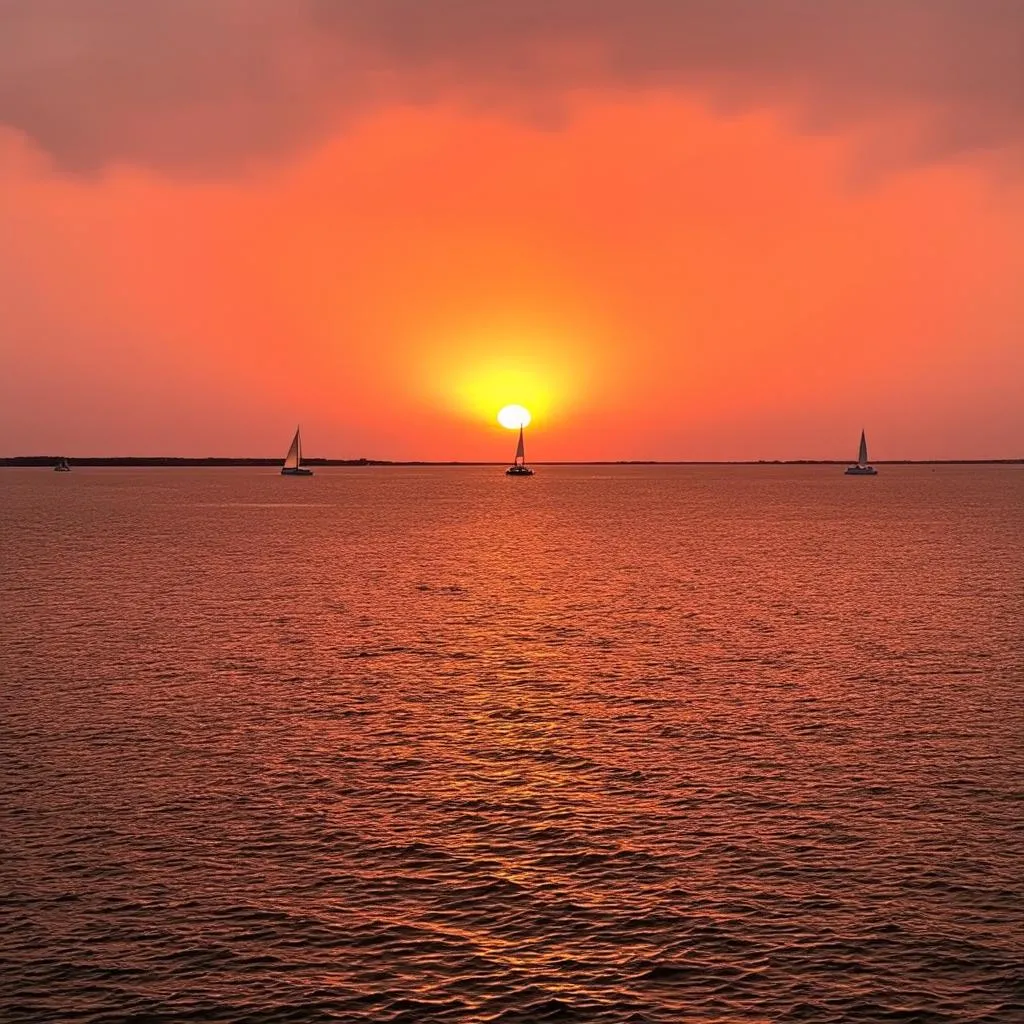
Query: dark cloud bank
x=205 y=86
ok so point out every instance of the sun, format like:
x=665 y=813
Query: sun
x=512 y=417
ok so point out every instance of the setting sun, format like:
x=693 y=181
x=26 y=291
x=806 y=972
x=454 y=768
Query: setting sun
x=512 y=417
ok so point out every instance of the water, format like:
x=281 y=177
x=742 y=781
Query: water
x=609 y=744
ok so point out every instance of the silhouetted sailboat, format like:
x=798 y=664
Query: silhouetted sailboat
x=293 y=460
x=519 y=467
x=862 y=468
x=62 y=466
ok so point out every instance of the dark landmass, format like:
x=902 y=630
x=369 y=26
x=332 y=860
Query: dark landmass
x=176 y=462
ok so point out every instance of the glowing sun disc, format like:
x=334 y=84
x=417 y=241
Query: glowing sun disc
x=512 y=417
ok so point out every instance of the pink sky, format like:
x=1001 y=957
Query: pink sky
x=673 y=230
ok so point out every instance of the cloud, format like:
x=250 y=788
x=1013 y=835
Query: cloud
x=208 y=86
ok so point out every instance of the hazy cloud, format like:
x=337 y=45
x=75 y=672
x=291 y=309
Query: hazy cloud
x=206 y=85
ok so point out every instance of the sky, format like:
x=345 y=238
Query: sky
x=673 y=229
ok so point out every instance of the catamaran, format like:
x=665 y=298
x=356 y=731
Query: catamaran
x=519 y=467
x=862 y=468
x=293 y=460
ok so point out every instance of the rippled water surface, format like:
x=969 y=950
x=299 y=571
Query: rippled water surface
x=607 y=744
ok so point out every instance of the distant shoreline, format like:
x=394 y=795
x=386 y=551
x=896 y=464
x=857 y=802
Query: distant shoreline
x=171 y=462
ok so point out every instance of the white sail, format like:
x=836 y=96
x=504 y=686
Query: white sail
x=862 y=456
x=294 y=457
x=519 y=467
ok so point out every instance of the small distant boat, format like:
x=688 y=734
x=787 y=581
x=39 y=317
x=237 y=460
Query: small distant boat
x=62 y=466
x=519 y=467
x=293 y=460
x=862 y=468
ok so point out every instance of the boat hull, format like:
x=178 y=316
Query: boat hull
x=297 y=472
x=518 y=471
x=861 y=471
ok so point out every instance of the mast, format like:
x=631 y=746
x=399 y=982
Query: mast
x=862 y=455
x=520 y=448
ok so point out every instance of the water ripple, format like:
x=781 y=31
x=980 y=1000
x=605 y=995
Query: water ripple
x=624 y=745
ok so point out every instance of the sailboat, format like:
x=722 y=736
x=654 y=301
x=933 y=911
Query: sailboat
x=293 y=460
x=62 y=466
x=862 y=468
x=519 y=467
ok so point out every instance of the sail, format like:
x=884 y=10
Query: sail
x=294 y=457
x=520 y=449
x=862 y=455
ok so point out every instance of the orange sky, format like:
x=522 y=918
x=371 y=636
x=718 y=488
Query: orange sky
x=657 y=269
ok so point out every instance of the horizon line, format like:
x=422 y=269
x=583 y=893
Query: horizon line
x=157 y=461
